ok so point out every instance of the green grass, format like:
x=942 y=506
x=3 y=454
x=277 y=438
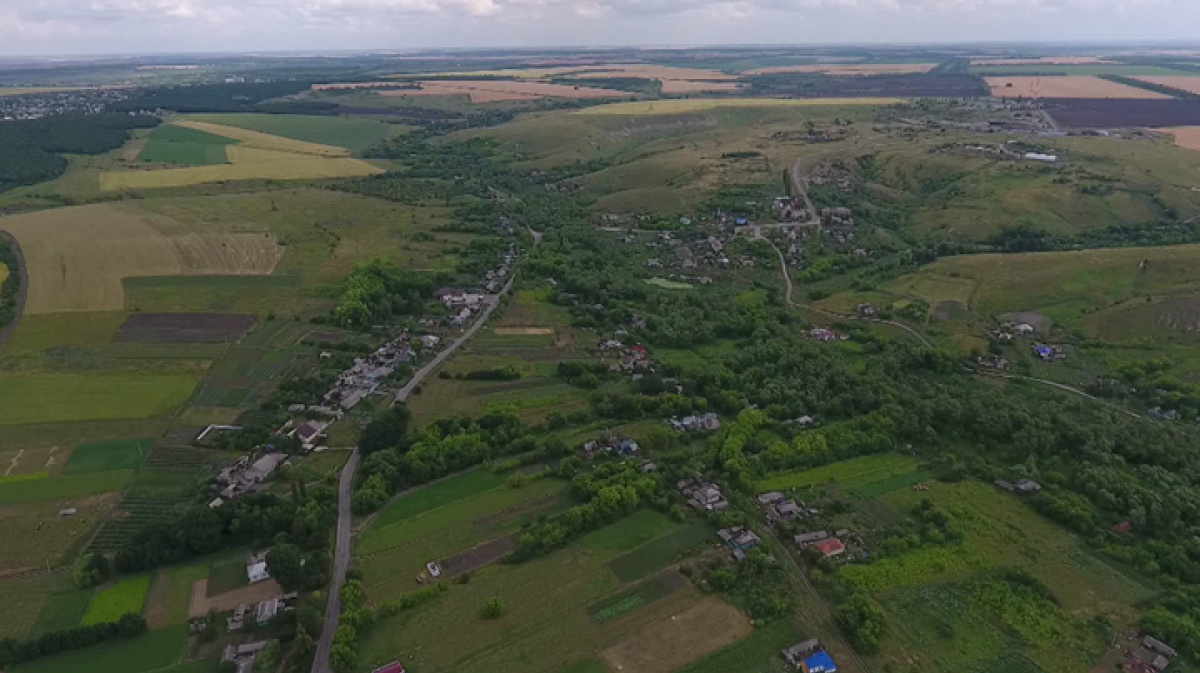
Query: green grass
x=197 y=666
x=25 y=598
x=110 y=604
x=227 y=575
x=615 y=606
x=49 y=398
x=850 y=474
x=439 y=495
x=63 y=487
x=149 y=652
x=668 y=284
x=171 y=144
x=355 y=134
x=181 y=590
x=650 y=557
x=756 y=653
x=28 y=476
x=63 y=610
x=125 y=454
x=635 y=530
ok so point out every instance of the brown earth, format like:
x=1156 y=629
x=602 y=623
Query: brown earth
x=201 y=602
x=1187 y=137
x=184 y=327
x=1069 y=86
x=158 y=601
x=479 y=556
x=671 y=644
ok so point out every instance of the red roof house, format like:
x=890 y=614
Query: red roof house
x=1123 y=527
x=394 y=667
x=832 y=547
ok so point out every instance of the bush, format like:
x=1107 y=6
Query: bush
x=494 y=608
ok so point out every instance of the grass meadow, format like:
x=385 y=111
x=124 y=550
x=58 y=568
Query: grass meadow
x=121 y=598
x=24 y=599
x=353 y=134
x=847 y=475
x=151 y=651
x=70 y=486
x=58 y=397
x=171 y=144
x=122 y=454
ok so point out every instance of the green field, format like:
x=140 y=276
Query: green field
x=354 y=134
x=109 y=604
x=149 y=652
x=563 y=610
x=649 y=558
x=63 y=610
x=57 y=397
x=26 y=597
x=125 y=454
x=667 y=284
x=849 y=475
x=171 y=144
x=437 y=495
x=71 y=486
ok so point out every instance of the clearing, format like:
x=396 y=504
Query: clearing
x=1070 y=86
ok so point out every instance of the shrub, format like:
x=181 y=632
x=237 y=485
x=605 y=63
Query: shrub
x=494 y=608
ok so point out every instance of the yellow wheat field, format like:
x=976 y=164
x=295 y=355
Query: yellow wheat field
x=678 y=106
x=266 y=141
x=1067 y=86
x=247 y=164
x=77 y=257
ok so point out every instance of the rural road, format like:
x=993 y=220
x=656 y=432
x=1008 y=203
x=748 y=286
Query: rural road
x=342 y=551
x=341 y=562
x=23 y=274
x=799 y=186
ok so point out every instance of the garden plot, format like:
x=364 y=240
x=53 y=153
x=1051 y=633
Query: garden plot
x=185 y=327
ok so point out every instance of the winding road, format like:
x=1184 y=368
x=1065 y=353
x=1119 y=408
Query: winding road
x=342 y=550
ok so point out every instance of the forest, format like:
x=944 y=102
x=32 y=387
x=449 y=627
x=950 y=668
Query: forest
x=31 y=149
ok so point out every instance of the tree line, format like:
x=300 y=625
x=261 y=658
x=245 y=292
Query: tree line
x=31 y=149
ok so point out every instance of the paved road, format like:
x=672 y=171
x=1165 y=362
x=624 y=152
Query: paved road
x=341 y=562
x=342 y=552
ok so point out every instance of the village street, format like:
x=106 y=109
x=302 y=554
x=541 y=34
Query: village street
x=342 y=550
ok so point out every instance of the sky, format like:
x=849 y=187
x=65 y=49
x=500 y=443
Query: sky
x=60 y=27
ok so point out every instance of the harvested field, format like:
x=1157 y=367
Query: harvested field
x=1070 y=86
x=489 y=91
x=201 y=602
x=248 y=163
x=673 y=643
x=1044 y=60
x=1183 y=83
x=513 y=331
x=696 y=86
x=835 y=69
x=185 y=327
x=265 y=141
x=480 y=556
x=1101 y=113
x=1186 y=137
x=77 y=257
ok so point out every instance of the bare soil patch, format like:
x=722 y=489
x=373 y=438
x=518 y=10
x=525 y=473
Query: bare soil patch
x=672 y=643
x=1187 y=137
x=185 y=327
x=201 y=602
x=158 y=601
x=1069 y=86
x=479 y=556
x=521 y=331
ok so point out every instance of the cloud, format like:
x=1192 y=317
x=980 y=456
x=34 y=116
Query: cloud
x=49 y=26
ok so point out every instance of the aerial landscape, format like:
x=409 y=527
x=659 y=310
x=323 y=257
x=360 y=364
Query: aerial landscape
x=338 y=351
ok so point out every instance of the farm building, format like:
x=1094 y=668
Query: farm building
x=702 y=495
x=1028 y=486
x=808 y=656
x=811 y=538
x=819 y=662
x=256 y=568
x=709 y=422
x=243 y=656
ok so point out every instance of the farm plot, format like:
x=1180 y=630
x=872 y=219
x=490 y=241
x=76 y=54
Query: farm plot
x=491 y=91
x=55 y=398
x=63 y=610
x=124 y=454
x=246 y=163
x=1066 y=87
x=391 y=557
x=25 y=597
x=185 y=327
x=248 y=138
x=842 y=69
x=564 y=610
x=157 y=495
x=873 y=475
x=77 y=257
x=1188 y=84
x=354 y=134
x=657 y=554
x=171 y=144
x=58 y=488
x=109 y=604
x=1186 y=137
x=683 y=106
x=151 y=651
x=45 y=536
x=1099 y=113
x=666 y=645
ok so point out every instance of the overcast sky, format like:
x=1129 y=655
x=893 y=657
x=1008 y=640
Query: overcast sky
x=133 y=26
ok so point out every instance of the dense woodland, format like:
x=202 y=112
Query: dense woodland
x=31 y=150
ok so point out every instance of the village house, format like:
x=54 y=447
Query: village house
x=243 y=476
x=706 y=422
x=1028 y=486
x=739 y=540
x=243 y=656
x=310 y=433
x=237 y=619
x=796 y=654
x=1048 y=353
x=830 y=548
x=866 y=309
x=267 y=610
x=702 y=495
x=394 y=667
x=256 y=568
x=609 y=444
x=811 y=538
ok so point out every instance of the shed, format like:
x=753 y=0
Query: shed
x=819 y=662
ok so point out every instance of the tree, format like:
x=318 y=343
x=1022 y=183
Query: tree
x=386 y=430
x=494 y=608
x=268 y=658
x=90 y=570
x=286 y=563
